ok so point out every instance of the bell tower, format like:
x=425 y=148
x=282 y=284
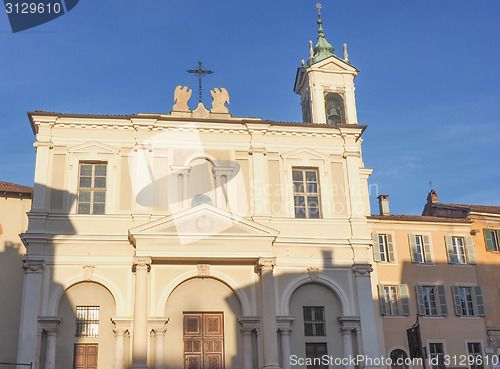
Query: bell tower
x=326 y=84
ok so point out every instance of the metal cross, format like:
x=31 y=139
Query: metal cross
x=200 y=73
x=319 y=6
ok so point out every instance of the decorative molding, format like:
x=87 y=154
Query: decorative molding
x=257 y=150
x=39 y=143
x=88 y=272
x=141 y=262
x=90 y=146
x=362 y=270
x=33 y=265
x=265 y=264
x=313 y=273
x=143 y=146
x=203 y=270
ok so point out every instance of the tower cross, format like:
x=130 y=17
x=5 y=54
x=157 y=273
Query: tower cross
x=319 y=6
x=200 y=72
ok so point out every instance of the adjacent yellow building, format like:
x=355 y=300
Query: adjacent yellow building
x=15 y=202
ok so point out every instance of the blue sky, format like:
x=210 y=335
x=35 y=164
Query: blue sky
x=429 y=86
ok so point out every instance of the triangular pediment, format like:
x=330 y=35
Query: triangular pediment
x=305 y=153
x=94 y=147
x=333 y=63
x=205 y=221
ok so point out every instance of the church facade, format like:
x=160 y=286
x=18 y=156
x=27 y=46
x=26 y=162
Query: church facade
x=196 y=239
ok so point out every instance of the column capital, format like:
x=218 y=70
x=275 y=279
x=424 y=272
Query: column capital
x=284 y=323
x=120 y=331
x=257 y=150
x=362 y=270
x=220 y=171
x=158 y=325
x=246 y=331
x=141 y=262
x=265 y=264
x=349 y=323
x=33 y=265
x=249 y=322
x=49 y=324
x=41 y=143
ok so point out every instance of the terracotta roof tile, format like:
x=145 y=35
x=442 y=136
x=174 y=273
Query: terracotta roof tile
x=476 y=208
x=420 y=218
x=12 y=187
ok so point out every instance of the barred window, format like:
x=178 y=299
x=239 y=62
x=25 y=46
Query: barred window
x=87 y=321
x=314 y=321
x=92 y=188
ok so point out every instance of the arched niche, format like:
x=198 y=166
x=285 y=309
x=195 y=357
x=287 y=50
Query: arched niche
x=335 y=108
x=321 y=298
x=85 y=294
x=201 y=180
x=203 y=295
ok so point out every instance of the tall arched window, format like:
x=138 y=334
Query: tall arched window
x=335 y=110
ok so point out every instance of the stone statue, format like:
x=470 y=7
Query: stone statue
x=181 y=97
x=221 y=97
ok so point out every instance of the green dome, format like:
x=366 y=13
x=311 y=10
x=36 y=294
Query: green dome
x=323 y=49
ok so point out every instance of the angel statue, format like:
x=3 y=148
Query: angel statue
x=181 y=97
x=221 y=97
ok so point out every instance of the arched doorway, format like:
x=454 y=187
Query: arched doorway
x=203 y=325
x=316 y=330
x=85 y=337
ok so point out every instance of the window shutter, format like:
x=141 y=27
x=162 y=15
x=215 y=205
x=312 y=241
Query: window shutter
x=376 y=247
x=488 y=238
x=449 y=249
x=382 y=299
x=456 y=300
x=442 y=299
x=413 y=248
x=405 y=299
x=390 y=249
x=478 y=293
x=427 y=249
x=420 y=300
x=469 y=244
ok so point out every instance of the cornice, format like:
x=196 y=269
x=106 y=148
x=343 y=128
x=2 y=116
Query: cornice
x=158 y=123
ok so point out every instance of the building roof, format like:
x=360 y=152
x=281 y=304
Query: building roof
x=471 y=208
x=435 y=208
x=8 y=189
x=418 y=218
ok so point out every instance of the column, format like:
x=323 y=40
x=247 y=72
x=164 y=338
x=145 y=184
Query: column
x=285 y=349
x=119 y=347
x=247 y=348
x=347 y=341
x=160 y=348
x=50 y=350
x=221 y=196
x=269 y=327
x=141 y=267
x=369 y=337
x=33 y=269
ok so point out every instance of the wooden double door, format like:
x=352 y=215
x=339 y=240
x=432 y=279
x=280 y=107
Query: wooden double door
x=203 y=340
x=85 y=356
